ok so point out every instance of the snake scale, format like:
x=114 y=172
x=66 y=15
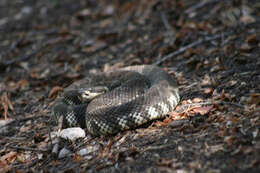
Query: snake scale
x=128 y=97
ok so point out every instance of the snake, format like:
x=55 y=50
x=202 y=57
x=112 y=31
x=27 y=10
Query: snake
x=106 y=103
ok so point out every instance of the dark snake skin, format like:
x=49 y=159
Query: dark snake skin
x=137 y=95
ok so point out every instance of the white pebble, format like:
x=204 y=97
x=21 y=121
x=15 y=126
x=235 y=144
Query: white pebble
x=73 y=133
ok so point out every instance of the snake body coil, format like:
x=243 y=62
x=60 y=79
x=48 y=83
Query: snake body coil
x=135 y=96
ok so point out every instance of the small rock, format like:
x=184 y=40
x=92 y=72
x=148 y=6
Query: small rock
x=82 y=152
x=229 y=124
x=87 y=150
x=243 y=99
x=4 y=129
x=181 y=171
x=73 y=133
x=255 y=133
x=4 y=21
x=54 y=134
x=26 y=10
x=64 y=152
x=5 y=122
x=178 y=123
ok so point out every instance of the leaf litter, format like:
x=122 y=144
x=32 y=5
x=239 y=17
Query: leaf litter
x=211 y=47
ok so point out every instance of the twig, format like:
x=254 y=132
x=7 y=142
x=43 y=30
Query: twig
x=193 y=44
x=11 y=49
x=11 y=121
x=199 y=5
x=56 y=141
x=60 y=122
x=168 y=26
x=23 y=58
x=34 y=52
x=26 y=167
x=85 y=141
x=182 y=107
x=158 y=147
x=166 y=22
x=27 y=149
x=185 y=106
x=102 y=166
x=55 y=148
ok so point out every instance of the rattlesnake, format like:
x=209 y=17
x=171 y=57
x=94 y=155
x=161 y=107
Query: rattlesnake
x=129 y=97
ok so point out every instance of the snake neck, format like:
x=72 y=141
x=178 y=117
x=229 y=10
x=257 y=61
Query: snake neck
x=80 y=112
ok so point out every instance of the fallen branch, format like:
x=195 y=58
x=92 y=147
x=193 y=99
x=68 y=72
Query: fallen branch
x=56 y=141
x=186 y=106
x=11 y=121
x=26 y=148
x=55 y=148
x=20 y=59
x=158 y=147
x=5 y=64
x=171 y=32
x=193 y=44
x=199 y=5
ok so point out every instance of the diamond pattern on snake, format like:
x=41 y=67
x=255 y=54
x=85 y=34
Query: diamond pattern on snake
x=109 y=102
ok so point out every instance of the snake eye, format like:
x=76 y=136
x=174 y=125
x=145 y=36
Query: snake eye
x=86 y=94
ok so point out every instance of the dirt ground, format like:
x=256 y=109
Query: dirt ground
x=211 y=47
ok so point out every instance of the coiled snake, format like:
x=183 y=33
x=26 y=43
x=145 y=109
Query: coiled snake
x=109 y=102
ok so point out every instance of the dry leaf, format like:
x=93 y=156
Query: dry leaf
x=108 y=67
x=230 y=140
x=21 y=158
x=55 y=162
x=5 y=110
x=54 y=91
x=177 y=116
x=77 y=158
x=72 y=75
x=197 y=100
x=246 y=47
x=83 y=13
x=108 y=37
x=225 y=96
x=22 y=84
x=8 y=158
x=35 y=75
x=202 y=110
x=6 y=103
x=254 y=98
x=162 y=123
x=252 y=39
x=98 y=45
x=25 y=128
x=167 y=162
x=246 y=19
x=208 y=90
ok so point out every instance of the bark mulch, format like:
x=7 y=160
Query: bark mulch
x=212 y=47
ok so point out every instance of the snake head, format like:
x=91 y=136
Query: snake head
x=88 y=94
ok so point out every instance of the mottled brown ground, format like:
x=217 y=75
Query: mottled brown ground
x=212 y=47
